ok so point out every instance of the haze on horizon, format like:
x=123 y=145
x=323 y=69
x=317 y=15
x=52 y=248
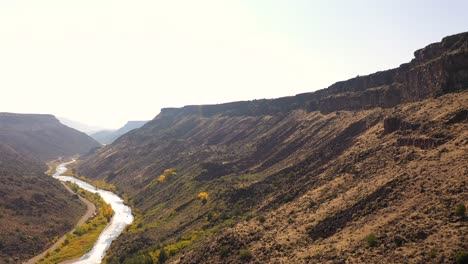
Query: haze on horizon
x=104 y=62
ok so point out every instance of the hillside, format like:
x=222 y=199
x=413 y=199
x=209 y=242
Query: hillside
x=34 y=208
x=42 y=137
x=109 y=136
x=304 y=179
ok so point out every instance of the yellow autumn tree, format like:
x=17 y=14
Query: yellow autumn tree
x=203 y=195
x=107 y=211
x=167 y=173
x=162 y=178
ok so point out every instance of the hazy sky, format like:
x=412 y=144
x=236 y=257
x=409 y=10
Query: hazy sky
x=104 y=62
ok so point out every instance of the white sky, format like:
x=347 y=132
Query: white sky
x=103 y=62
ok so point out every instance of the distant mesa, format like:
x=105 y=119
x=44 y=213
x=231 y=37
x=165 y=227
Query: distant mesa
x=42 y=137
x=108 y=136
x=80 y=126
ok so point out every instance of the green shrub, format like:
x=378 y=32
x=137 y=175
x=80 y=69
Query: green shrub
x=261 y=219
x=288 y=198
x=245 y=255
x=79 y=231
x=371 y=240
x=209 y=216
x=462 y=258
x=224 y=251
x=460 y=210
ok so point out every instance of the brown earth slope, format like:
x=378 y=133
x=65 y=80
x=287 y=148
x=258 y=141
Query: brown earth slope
x=34 y=208
x=305 y=179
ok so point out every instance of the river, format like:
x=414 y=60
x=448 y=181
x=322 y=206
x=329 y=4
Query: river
x=122 y=217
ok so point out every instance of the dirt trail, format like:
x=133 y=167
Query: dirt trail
x=89 y=213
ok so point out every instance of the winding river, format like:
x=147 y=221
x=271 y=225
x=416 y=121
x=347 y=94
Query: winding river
x=122 y=217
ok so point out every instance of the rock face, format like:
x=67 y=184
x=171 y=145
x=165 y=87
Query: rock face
x=437 y=69
x=304 y=179
x=109 y=136
x=42 y=137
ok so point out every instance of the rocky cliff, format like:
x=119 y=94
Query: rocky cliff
x=368 y=170
x=437 y=69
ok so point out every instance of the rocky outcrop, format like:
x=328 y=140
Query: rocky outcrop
x=392 y=124
x=423 y=143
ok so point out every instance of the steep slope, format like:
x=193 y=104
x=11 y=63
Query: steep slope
x=34 y=208
x=304 y=179
x=42 y=137
x=109 y=136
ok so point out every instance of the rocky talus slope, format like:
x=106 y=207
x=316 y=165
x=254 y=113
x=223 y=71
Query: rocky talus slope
x=369 y=170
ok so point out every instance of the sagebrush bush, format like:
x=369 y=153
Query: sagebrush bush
x=460 y=210
x=224 y=251
x=261 y=219
x=245 y=255
x=371 y=240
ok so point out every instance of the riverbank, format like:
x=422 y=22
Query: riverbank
x=122 y=217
